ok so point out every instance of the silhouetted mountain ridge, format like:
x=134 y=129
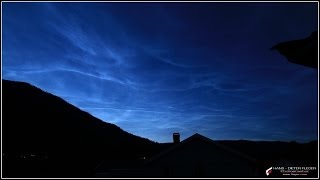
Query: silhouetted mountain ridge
x=37 y=121
x=30 y=90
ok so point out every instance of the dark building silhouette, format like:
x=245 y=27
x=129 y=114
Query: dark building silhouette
x=196 y=156
x=199 y=156
x=176 y=138
x=301 y=51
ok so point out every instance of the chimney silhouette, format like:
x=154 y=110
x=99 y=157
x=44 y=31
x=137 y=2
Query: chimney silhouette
x=176 y=138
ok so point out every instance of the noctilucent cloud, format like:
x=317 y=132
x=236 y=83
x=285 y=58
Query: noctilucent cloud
x=157 y=68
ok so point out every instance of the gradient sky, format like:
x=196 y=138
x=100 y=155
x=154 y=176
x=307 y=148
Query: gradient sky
x=157 y=68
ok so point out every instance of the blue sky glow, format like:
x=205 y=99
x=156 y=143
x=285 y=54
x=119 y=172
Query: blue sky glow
x=157 y=68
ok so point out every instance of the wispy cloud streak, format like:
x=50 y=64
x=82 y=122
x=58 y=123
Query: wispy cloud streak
x=192 y=69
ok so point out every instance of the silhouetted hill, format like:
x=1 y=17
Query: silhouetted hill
x=68 y=141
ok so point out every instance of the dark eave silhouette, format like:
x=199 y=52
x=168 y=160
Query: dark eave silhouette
x=302 y=51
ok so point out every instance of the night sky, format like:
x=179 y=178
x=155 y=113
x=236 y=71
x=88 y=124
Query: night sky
x=157 y=68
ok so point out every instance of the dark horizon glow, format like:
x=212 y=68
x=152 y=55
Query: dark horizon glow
x=157 y=68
